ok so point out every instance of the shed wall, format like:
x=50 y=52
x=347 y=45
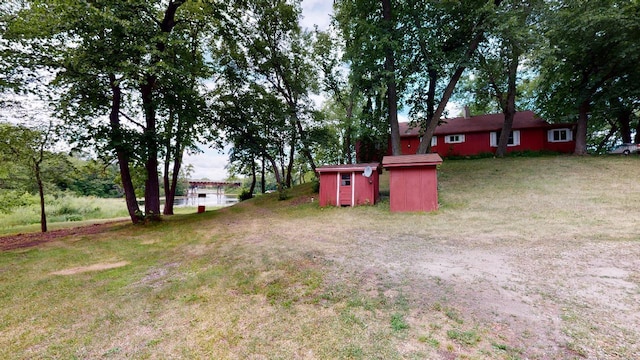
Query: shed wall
x=362 y=191
x=328 y=189
x=366 y=189
x=413 y=189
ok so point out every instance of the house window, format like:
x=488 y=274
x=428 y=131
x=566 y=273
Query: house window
x=454 y=139
x=559 y=135
x=434 y=140
x=514 y=138
x=345 y=179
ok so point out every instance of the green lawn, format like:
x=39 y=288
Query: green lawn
x=526 y=258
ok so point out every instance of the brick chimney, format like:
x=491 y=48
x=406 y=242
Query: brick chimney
x=467 y=112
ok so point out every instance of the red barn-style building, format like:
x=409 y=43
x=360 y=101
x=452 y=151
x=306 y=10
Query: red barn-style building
x=473 y=135
x=350 y=184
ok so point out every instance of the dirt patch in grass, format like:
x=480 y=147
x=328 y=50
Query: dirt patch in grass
x=33 y=239
x=93 y=267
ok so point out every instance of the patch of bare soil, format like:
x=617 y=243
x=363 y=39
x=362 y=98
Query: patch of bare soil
x=33 y=239
x=93 y=267
x=549 y=300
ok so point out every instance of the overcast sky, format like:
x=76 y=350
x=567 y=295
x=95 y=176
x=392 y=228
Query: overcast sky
x=211 y=163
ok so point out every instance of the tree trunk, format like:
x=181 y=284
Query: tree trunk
x=509 y=109
x=624 y=119
x=390 y=69
x=305 y=144
x=121 y=152
x=425 y=144
x=292 y=154
x=166 y=184
x=263 y=182
x=43 y=214
x=581 y=131
x=276 y=172
x=168 y=203
x=606 y=139
x=152 y=185
x=431 y=94
x=171 y=183
x=346 y=150
x=175 y=176
x=252 y=188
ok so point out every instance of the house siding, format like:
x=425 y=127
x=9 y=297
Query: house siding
x=477 y=132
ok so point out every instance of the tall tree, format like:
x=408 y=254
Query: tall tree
x=183 y=107
x=370 y=30
x=461 y=42
x=266 y=53
x=345 y=102
x=591 y=46
x=29 y=146
x=389 y=27
x=119 y=60
x=422 y=47
x=501 y=59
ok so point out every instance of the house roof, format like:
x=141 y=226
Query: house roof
x=348 y=167
x=411 y=160
x=479 y=123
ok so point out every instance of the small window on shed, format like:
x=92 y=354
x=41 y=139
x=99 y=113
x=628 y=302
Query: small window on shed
x=345 y=180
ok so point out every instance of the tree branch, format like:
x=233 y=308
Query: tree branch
x=133 y=121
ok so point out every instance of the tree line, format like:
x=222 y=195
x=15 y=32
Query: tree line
x=143 y=82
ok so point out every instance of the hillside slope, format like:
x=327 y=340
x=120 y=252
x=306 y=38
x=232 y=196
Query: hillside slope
x=526 y=258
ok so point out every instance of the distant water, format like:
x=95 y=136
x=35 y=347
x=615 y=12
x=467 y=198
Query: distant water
x=209 y=200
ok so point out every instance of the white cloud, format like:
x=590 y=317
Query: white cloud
x=209 y=164
x=316 y=12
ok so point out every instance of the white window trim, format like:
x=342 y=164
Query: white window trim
x=447 y=139
x=434 y=140
x=569 y=135
x=494 y=138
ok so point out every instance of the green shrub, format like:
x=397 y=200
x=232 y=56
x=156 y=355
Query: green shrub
x=65 y=209
x=245 y=194
x=283 y=194
x=10 y=200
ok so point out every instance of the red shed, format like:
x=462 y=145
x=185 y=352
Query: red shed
x=413 y=182
x=350 y=185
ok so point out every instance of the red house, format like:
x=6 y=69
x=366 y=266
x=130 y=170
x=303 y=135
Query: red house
x=472 y=135
x=349 y=185
x=413 y=182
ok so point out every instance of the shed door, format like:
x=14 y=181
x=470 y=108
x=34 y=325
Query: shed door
x=346 y=189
